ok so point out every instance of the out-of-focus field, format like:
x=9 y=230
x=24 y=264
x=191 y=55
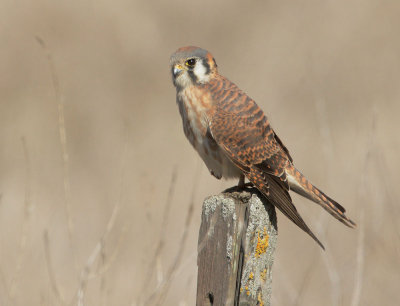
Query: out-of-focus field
x=98 y=217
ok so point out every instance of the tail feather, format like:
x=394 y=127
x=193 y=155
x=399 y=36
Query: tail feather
x=274 y=189
x=299 y=184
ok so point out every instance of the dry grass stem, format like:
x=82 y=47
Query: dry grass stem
x=363 y=195
x=358 y=281
x=161 y=240
x=107 y=261
x=328 y=149
x=99 y=248
x=158 y=296
x=50 y=270
x=63 y=141
x=25 y=221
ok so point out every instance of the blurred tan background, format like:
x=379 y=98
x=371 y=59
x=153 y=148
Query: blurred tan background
x=98 y=217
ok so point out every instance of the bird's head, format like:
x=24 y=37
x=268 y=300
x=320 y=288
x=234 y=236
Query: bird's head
x=192 y=66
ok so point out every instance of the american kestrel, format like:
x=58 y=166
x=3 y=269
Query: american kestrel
x=234 y=138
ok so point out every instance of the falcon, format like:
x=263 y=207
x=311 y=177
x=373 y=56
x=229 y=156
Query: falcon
x=235 y=139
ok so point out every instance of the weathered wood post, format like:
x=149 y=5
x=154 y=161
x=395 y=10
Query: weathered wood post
x=237 y=240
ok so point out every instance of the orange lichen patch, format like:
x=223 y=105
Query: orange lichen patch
x=262 y=243
x=259 y=299
x=247 y=290
x=251 y=276
x=264 y=274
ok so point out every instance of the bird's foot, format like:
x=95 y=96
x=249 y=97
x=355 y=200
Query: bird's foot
x=241 y=185
x=237 y=188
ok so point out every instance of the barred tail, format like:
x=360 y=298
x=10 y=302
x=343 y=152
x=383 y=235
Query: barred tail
x=299 y=184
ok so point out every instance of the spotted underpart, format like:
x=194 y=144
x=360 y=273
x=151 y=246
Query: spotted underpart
x=234 y=137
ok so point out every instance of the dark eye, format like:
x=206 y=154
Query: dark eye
x=191 y=62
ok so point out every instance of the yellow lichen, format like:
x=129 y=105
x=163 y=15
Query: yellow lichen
x=264 y=274
x=262 y=243
x=241 y=289
x=251 y=276
x=248 y=292
x=260 y=302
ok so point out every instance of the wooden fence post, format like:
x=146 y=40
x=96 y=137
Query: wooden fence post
x=237 y=240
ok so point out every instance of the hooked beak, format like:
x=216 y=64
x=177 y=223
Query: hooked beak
x=177 y=70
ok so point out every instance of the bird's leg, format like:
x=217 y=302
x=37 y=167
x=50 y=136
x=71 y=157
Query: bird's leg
x=241 y=183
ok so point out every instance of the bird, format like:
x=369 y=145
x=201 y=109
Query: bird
x=235 y=139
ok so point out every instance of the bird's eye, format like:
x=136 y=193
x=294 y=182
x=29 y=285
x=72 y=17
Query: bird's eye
x=191 y=62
